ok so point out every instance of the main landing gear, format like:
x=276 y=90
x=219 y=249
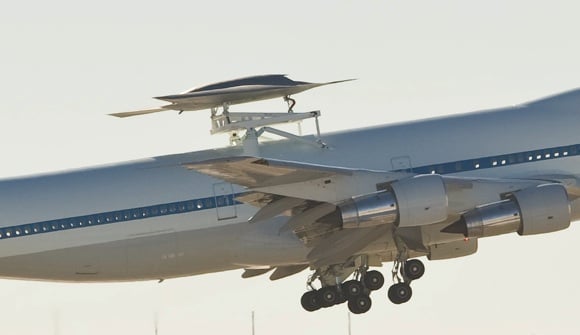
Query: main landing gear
x=410 y=270
x=356 y=292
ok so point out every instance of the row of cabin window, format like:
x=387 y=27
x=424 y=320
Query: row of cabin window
x=186 y=206
x=506 y=160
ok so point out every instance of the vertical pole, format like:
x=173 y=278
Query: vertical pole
x=349 y=329
x=56 y=322
x=253 y=327
x=250 y=143
x=317 y=127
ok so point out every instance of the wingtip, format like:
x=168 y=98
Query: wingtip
x=340 y=81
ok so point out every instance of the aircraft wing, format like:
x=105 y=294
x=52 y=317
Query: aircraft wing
x=308 y=193
x=318 y=199
x=294 y=179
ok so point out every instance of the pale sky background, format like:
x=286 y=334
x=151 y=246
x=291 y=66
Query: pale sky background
x=65 y=64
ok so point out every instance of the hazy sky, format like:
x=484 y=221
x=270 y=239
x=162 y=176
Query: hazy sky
x=65 y=64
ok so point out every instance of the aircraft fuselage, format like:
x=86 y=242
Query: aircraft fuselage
x=153 y=218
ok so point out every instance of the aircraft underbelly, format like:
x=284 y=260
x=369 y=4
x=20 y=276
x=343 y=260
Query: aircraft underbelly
x=166 y=255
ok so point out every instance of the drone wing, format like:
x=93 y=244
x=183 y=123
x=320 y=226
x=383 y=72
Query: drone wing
x=139 y=112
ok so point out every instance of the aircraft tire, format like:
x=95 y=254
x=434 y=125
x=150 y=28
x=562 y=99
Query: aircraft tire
x=400 y=293
x=352 y=288
x=413 y=269
x=373 y=280
x=342 y=298
x=310 y=301
x=360 y=304
x=328 y=296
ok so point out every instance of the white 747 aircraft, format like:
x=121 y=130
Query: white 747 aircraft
x=337 y=204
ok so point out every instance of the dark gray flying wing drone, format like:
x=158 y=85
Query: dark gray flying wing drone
x=231 y=92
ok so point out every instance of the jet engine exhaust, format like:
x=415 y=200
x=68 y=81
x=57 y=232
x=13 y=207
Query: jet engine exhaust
x=536 y=210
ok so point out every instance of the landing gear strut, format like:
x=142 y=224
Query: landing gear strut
x=409 y=270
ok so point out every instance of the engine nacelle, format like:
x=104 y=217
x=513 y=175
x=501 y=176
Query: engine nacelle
x=544 y=209
x=416 y=201
x=535 y=210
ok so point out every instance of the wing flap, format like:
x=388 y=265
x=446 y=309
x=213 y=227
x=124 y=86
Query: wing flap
x=276 y=207
x=249 y=273
x=257 y=199
x=286 y=271
x=253 y=172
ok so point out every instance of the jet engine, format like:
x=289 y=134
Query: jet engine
x=535 y=210
x=416 y=201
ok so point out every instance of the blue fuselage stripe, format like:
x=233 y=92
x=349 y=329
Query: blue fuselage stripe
x=125 y=215
x=498 y=160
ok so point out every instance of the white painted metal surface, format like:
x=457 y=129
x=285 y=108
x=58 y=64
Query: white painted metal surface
x=536 y=139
